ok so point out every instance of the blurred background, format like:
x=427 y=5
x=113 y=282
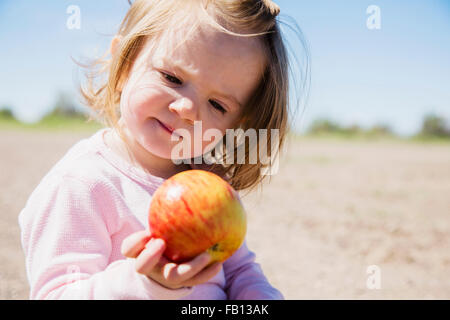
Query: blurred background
x=360 y=203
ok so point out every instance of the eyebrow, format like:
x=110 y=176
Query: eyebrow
x=180 y=69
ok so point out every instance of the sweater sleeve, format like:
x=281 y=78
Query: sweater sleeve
x=68 y=246
x=245 y=279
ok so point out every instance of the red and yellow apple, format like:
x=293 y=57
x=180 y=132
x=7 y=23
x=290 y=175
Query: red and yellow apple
x=196 y=211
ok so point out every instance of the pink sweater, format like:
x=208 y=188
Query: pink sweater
x=75 y=220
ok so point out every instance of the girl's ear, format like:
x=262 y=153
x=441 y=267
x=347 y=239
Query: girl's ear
x=115 y=44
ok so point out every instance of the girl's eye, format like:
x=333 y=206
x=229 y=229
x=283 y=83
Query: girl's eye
x=171 y=79
x=217 y=106
x=175 y=80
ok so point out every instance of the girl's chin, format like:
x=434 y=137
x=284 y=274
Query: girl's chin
x=157 y=151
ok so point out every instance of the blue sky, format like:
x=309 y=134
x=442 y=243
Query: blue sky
x=392 y=75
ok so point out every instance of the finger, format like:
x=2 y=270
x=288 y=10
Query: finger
x=134 y=243
x=178 y=273
x=150 y=256
x=163 y=261
x=204 y=275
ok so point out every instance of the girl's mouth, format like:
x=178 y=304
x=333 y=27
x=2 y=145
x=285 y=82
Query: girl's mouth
x=167 y=128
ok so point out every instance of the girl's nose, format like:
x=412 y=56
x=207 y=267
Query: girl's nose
x=185 y=109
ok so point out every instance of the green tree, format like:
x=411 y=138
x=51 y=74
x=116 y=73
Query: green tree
x=6 y=113
x=324 y=126
x=65 y=108
x=434 y=126
x=380 y=130
x=352 y=130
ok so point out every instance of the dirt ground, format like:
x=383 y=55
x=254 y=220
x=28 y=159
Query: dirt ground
x=334 y=209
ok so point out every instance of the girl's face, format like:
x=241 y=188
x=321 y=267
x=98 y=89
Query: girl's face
x=208 y=78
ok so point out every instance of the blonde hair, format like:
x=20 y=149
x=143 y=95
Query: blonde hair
x=148 y=20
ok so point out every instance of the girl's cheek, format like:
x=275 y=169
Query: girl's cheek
x=210 y=140
x=145 y=99
x=141 y=88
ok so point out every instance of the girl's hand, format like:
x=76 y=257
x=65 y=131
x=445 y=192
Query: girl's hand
x=150 y=262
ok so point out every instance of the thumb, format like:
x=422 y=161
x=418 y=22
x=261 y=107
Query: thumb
x=150 y=256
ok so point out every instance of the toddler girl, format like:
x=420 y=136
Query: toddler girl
x=174 y=64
